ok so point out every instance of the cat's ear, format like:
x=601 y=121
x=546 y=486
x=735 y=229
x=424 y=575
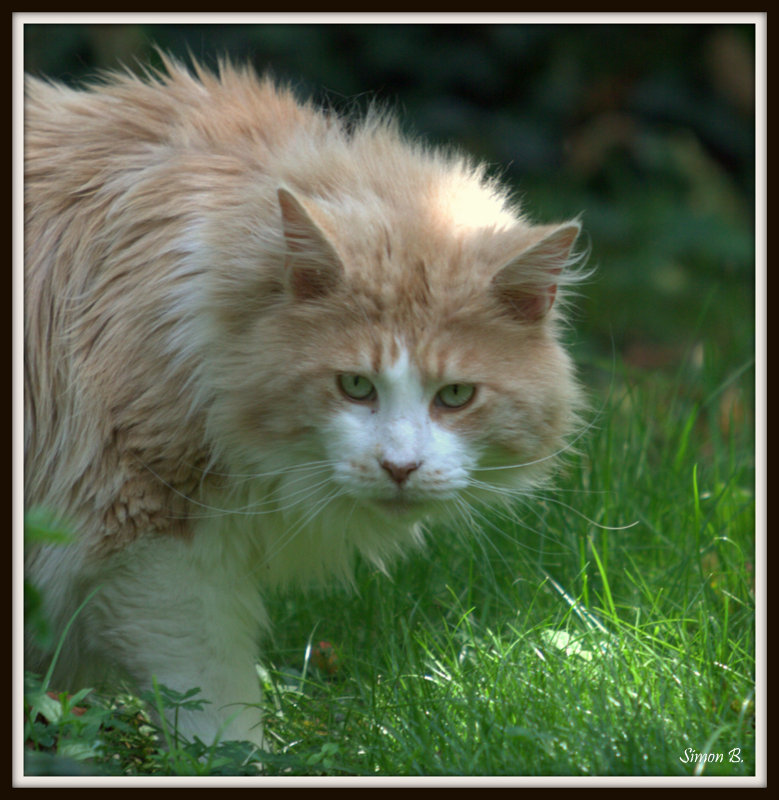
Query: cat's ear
x=312 y=268
x=527 y=284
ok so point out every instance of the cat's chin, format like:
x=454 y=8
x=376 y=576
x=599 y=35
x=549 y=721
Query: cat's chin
x=397 y=507
x=402 y=507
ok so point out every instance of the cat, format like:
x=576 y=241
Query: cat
x=262 y=340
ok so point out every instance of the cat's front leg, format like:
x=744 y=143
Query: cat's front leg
x=188 y=614
x=232 y=707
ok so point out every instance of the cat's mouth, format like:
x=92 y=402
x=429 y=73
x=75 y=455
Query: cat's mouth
x=404 y=504
x=398 y=505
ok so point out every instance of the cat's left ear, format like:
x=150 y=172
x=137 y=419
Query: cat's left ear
x=527 y=285
x=312 y=268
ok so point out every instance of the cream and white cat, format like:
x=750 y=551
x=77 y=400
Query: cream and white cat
x=261 y=340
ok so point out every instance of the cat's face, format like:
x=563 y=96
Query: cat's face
x=445 y=422
x=433 y=378
x=394 y=439
x=372 y=423
x=403 y=401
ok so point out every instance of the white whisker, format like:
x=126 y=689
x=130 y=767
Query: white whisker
x=568 y=446
x=583 y=516
x=291 y=534
x=516 y=520
x=256 y=507
x=522 y=494
x=285 y=470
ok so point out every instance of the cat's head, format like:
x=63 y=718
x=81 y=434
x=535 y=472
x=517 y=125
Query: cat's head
x=399 y=370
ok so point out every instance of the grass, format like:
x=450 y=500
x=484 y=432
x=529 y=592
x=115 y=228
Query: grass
x=605 y=628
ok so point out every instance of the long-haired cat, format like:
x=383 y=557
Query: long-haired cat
x=260 y=340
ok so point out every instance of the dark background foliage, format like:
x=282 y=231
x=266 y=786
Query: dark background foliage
x=647 y=130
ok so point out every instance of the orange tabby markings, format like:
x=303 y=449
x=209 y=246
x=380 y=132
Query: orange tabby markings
x=206 y=259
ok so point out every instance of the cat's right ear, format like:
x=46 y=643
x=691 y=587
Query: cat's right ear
x=312 y=268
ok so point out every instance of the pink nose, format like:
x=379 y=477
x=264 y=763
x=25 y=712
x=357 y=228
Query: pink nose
x=399 y=472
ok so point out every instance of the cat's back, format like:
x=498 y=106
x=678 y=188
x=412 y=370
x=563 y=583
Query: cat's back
x=174 y=108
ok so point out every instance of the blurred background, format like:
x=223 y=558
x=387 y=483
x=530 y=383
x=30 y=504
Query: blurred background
x=647 y=130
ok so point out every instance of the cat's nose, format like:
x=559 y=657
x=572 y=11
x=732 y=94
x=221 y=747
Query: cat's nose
x=398 y=472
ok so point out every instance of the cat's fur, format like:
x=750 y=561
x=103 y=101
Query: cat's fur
x=205 y=256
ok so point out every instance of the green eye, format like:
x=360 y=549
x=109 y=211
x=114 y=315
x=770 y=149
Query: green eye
x=356 y=387
x=456 y=395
